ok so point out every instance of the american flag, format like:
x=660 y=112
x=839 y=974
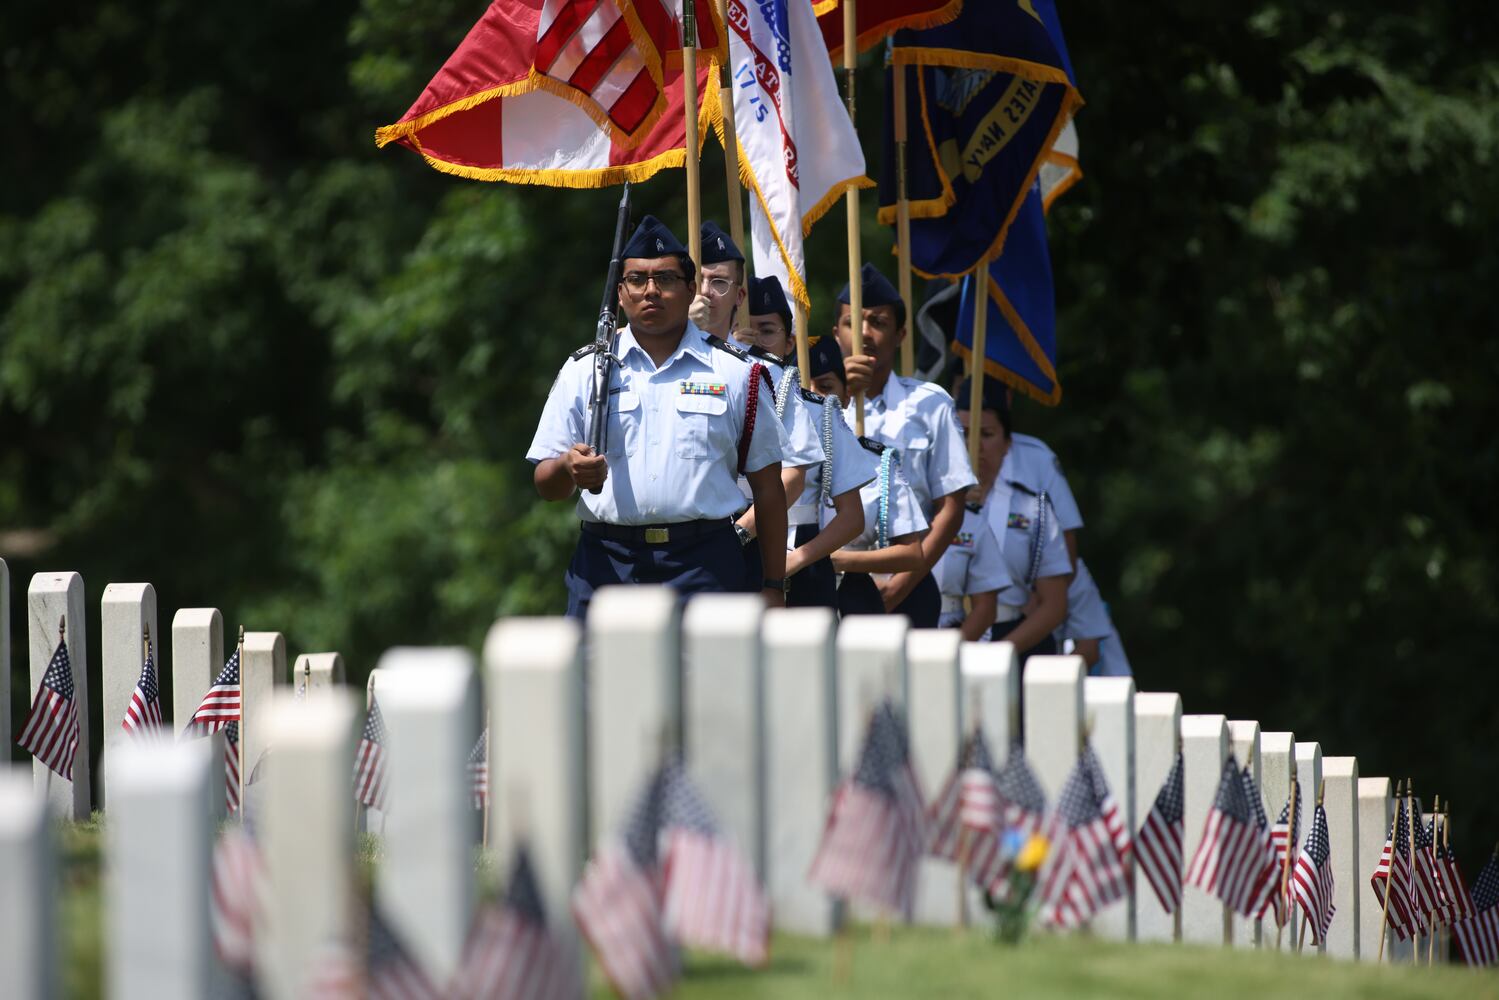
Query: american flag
x=1107 y=804
x=970 y=808
x=1311 y=881
x=1159 y=844
x=51 y=730
x=391 y=973
x=1024 y=801
x=1283 y=837
x=143 y=714
x=1393 y=871
x=369 y=760
x=1427 y=894
x=511 y=955
x=617 y=905
x=1232 y=855
x=220 y=706
x=1456 y=903
x=712 y=899
x=478 y=771
x=1478 y=935
x=234 y=897
x=1086 y=871
x=875 y=833
x=1267 y=884
x=231 y=767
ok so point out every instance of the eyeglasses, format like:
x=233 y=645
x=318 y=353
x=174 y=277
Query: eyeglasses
x=718 y=287
x=666 y=281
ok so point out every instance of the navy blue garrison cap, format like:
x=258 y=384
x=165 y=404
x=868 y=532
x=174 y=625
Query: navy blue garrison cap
x=996 y=396
x=825 y=358
x=652 y=239
x=877 y=289
x=718 y=246
x=766 y=297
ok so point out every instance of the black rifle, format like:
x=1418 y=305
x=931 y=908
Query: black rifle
x=604 y=337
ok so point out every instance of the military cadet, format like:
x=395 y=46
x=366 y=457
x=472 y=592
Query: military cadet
x=970 y=575
x=1025 y=524
x=917 y=419
x=721 y=292
x=656 y=507
x=830 y=512
x=1088 y=623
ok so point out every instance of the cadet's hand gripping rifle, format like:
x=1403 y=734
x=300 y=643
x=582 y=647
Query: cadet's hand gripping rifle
x=603 y=338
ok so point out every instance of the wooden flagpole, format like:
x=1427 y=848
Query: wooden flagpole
x=730 y=135
x=242 y=732
x=1292 y=821
x=803 y=352
x=1384 y=916
x=976 y=359
x=689 y=120
x=855 y=261
x=903 y=217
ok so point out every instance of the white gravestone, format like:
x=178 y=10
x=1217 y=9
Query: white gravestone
x=50 y=598
x=1277 y=764
x=1309 y=776
x=306 y=835
x=725 y=716
x=28 y=890
x=430 y=702
x=1204 y=749
x=534 y=691
x=1244 y=741
x=197 y=658
x=262 y=667
x=5 y=736
x=935 y=713
x=634 y=693
x=317 y=673
x=127 y=614
x=1157 y=740
x=1376 y=811
x=991 y=684
x=1054 y=719
x=801 y=761
x=871 y=667
x=1341 y=803
x=158 y=844
x=1110 y=703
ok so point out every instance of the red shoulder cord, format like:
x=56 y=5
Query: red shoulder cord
x=751 y=407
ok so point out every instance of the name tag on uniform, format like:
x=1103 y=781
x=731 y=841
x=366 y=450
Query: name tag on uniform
x=705 y=388
x=1020 y=521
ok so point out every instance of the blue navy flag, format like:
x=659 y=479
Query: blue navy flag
x=992 y=92
x=1020 y=337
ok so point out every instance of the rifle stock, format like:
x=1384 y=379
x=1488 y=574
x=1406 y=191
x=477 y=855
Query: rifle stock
x=603 y=338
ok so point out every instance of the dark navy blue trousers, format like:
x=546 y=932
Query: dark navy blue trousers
x=709 y=563
x=858 y=595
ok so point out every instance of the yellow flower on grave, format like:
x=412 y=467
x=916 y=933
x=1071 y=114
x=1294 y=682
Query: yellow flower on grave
x=1032 y=854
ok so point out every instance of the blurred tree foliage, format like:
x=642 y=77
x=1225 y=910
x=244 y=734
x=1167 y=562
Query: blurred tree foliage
x=249 y=358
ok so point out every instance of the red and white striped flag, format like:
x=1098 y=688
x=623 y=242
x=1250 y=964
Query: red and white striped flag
x=369 y=760
x=237 y=875
x=1312 y=881
x=1426 y=883
x=1283 y=837
x=231 y=768
x=1478 y=934
x=1392 y=874
x=1086 y=870
x=967 y=818
x=1457 y=904
x=143 y=714
x=221 y=705
x=51 y=729
x=478 y=771
x=1159 y=843
x=511 y=955
x=876 y=830
x=1232 y=855
x=1266 y=886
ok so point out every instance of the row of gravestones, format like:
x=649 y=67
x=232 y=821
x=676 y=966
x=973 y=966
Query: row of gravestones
x=767 y=708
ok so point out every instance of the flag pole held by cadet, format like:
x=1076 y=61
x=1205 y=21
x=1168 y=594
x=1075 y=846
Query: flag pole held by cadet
x=731 y=136
x=689 y=120
x=976 y=372
x=603 y=336
x=855 y=262
x=902 y=208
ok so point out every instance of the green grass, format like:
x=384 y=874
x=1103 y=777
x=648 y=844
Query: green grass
x=902 y=962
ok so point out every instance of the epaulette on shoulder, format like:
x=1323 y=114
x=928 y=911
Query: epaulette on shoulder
x=1022 y=487
x=583 y=351
x=724 y=345
x=974 y=508
x=761 y=354
x=816 y=399
x=872 y=445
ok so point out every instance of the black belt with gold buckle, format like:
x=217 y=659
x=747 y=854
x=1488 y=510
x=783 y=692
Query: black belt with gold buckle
x=656 y=534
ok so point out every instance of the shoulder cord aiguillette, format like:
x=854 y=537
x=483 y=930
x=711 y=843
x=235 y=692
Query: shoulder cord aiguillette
x=1037 y=539
x=751 y=408
x=791 y=381
x=830 y=412
x=888 y=461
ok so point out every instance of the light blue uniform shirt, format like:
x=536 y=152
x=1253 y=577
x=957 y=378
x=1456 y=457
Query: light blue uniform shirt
x=1026 y=527
x=919 y=420
x=972 y=564
x=851 y=467
x=803 y=442
x=903 y=510
x=673 y=435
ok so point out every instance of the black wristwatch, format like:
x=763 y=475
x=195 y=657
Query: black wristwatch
x=744 y=536
x=769 y=584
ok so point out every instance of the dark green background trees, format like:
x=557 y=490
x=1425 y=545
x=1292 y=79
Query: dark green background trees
x=247 y=357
